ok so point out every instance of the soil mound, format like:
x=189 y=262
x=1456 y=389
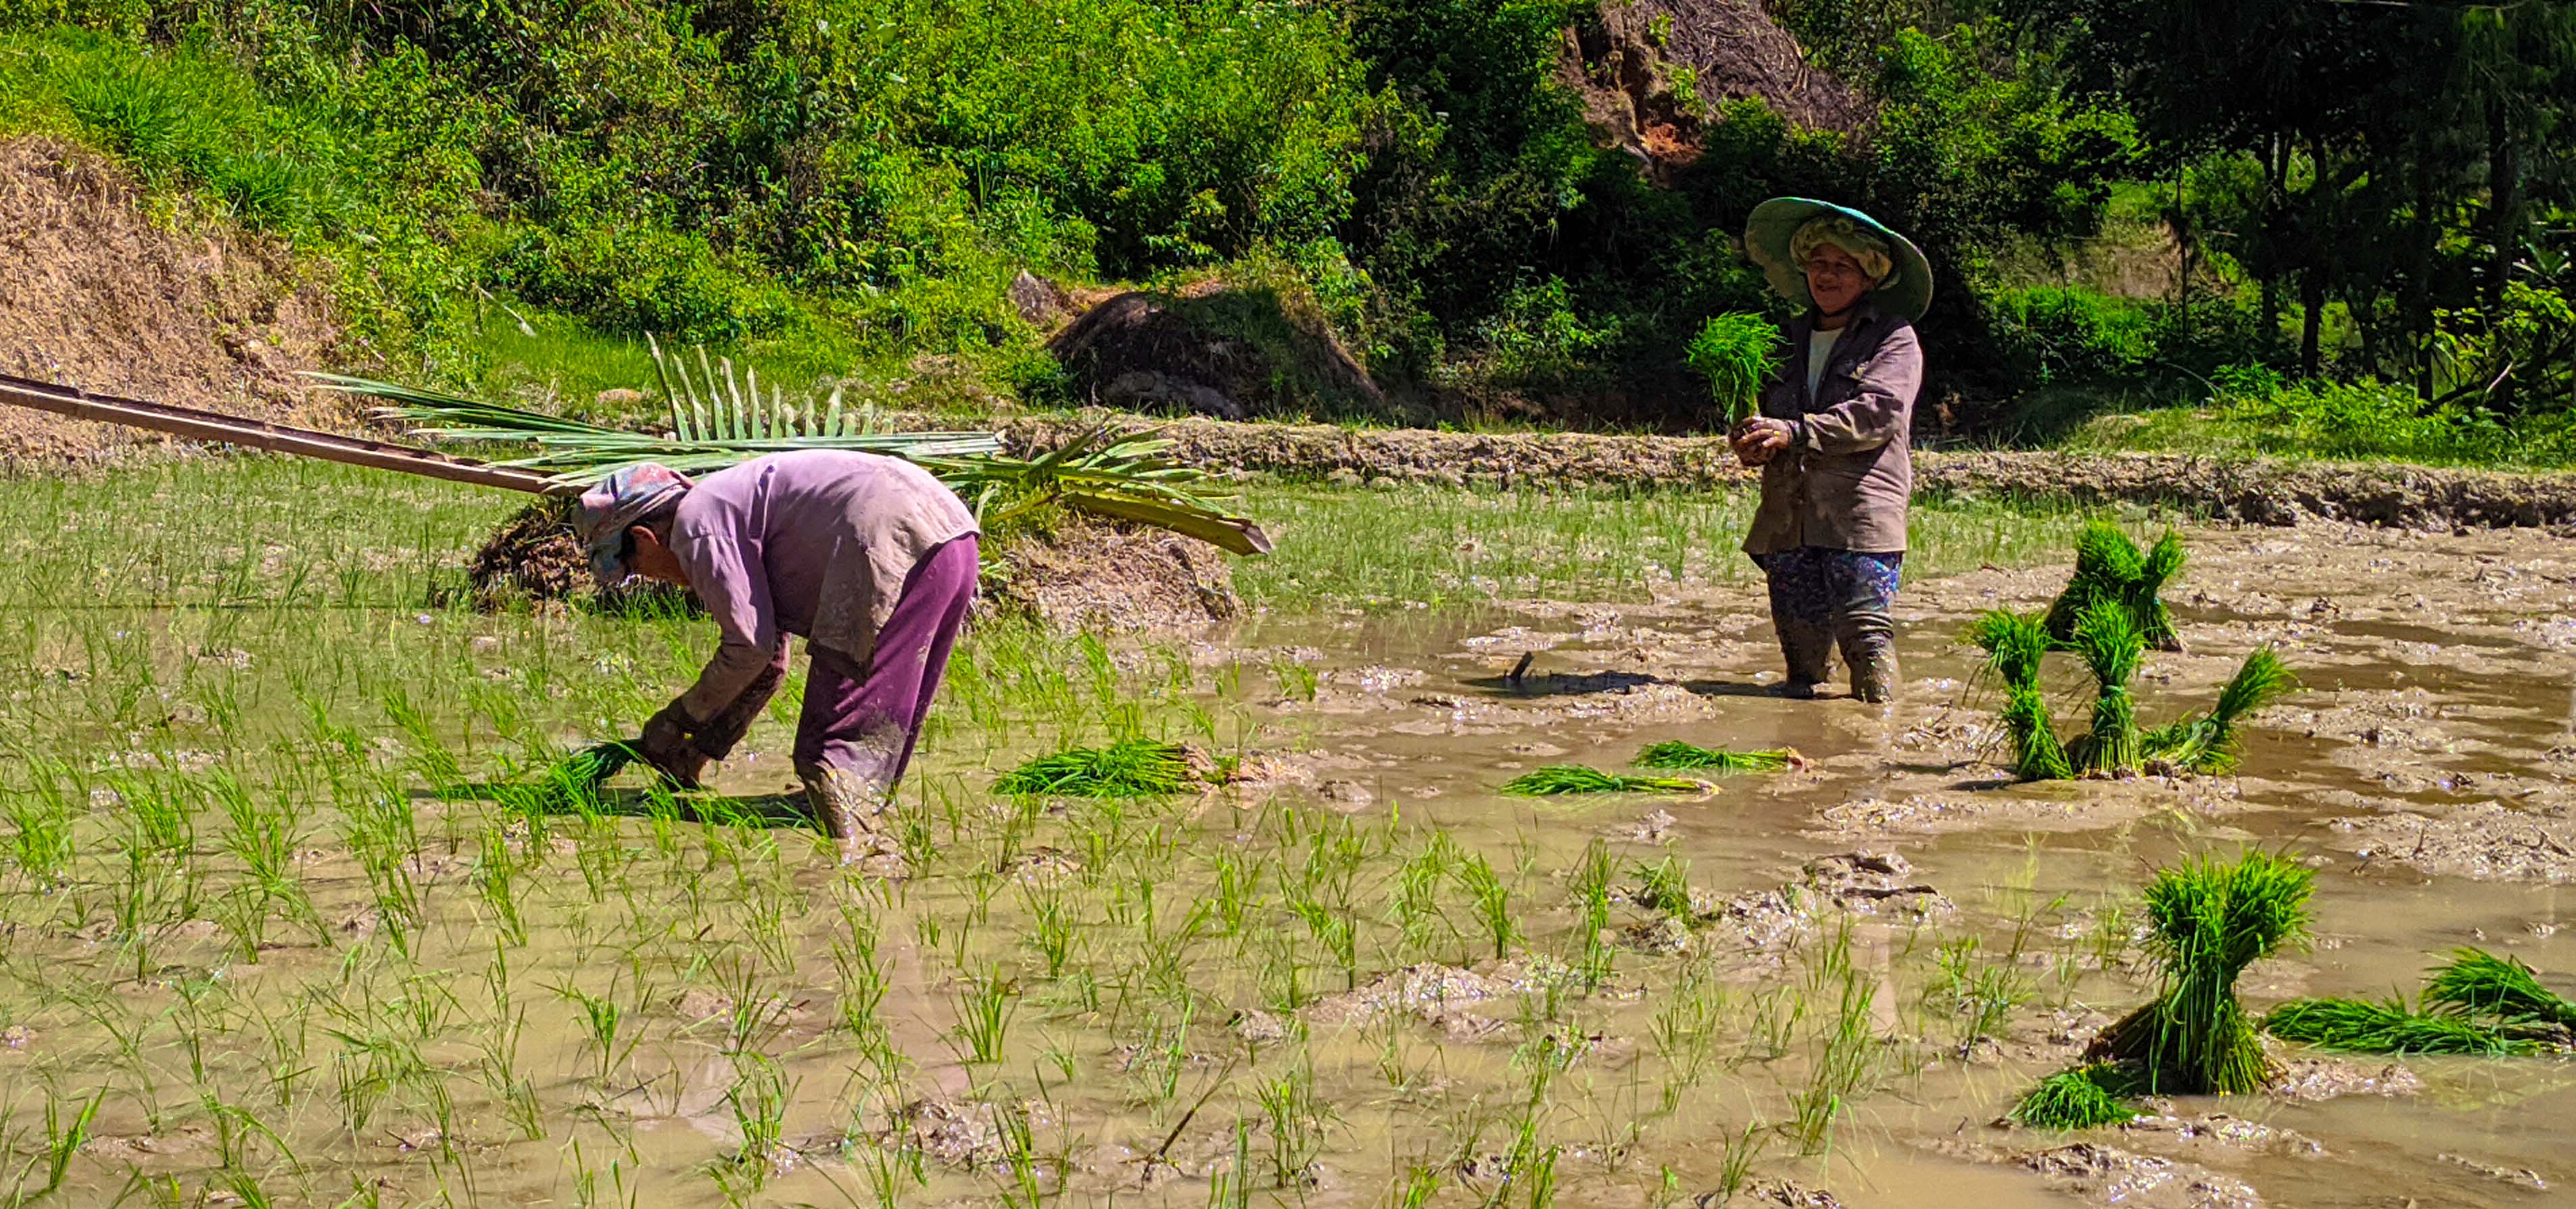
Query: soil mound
x=95 y=294
x=1088 y=575
x=1080 y=575
x=1625 y=69
x=1232 y=352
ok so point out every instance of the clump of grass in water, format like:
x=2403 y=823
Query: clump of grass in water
x=1125 y=769
x=2082 y=1097
x=1557 y=779
x=2389 y=1027
x=2208 y=920
x=1675 y=754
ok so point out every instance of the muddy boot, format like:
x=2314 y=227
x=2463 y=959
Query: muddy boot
x=848 y=805
x=1869 y=649
x=1808 y=649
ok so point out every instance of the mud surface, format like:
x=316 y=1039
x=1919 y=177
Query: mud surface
x=95 y=294
x=2251 y=491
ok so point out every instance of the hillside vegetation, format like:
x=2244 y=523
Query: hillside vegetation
x=1517 y=210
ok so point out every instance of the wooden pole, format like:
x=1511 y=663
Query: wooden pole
x=274 y=438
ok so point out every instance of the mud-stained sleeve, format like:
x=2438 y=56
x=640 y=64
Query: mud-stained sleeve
x=1883 y=407
x=719 y=546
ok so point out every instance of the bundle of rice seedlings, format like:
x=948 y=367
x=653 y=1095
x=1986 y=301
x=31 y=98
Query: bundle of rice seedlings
x=584 y=771
x=2478 y=983
x=2109 y=641
x=2110 y=567
x=2208 y=921
x=1128 y=768
x=2206 y=743
x=1558 y=779
x=2362 y=1026
x=2081 y=1097
x=1673 y=753
x=2014 y=644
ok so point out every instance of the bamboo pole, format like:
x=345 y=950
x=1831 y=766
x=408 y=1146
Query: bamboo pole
x=274 y=438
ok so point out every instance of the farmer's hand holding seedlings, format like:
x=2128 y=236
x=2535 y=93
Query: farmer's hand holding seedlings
x=868 y=558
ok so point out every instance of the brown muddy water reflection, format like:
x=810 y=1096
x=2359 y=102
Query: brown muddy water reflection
x=1851 y=916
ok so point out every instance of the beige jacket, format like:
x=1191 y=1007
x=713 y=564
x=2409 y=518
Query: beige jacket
x=1844 y=480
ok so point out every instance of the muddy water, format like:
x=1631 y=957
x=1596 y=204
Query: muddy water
x=2437 y=678
x=2424 y=771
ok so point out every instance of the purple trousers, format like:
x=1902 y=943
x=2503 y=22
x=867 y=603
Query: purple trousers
x=862 y=718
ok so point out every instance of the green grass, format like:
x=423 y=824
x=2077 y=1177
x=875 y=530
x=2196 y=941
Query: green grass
x=2361 y=422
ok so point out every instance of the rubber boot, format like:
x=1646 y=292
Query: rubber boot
x=849 y=806
x=1808 y=649
x=1869 y=650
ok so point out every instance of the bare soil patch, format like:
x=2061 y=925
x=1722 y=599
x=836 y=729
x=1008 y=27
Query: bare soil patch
x=95 y=292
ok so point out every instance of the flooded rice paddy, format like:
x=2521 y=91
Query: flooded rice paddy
x=279 y=929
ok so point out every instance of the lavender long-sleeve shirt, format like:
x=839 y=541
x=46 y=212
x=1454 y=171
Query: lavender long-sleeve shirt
x=815 y=543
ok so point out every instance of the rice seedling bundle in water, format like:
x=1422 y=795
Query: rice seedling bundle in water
x=2109 y=567
x=2207 y=743
x=584 y=771
x=2478 y=983
x=2109 y=640
x=1556 y=779
x=2082 y=1097
x=1675 y=754
x=2389 y=1027
x=1124 y=769
x=2208 y=921
x=2014 y=644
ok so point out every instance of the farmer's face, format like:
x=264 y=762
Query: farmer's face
x=653 y=560
x=1834 y=279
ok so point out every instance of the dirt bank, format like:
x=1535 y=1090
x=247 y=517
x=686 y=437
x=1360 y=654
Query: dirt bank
x=95 y=292
x=2256 y=492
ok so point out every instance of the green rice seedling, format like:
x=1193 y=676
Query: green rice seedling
x=577 y=777
x=864 y=978
x=1415 y=907
x=758 y=1098
x=1493 y=902
x=63 y=1140
x=1297 y=1122
x=496 y=879
x=1664 y=888
x=2390 y=1027
x=40 y=821
x=1128 y=768
x=985 y=1006
x=1846 y=1065
x=2083 y=1097
x=1050 y=928
x=1676 y=754
x=1590 y=883
x=2208 y=919
x=2107 y=637
x=600 y=1021
x=2477 y=983
x=2207 y=743
x=1556 y=779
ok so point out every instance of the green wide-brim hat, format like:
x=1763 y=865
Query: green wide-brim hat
x=1906 y=292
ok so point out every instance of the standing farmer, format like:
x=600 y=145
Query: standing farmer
x=868 y=558
x=1831 y=437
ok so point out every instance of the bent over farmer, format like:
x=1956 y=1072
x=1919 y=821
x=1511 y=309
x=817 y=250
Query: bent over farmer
x=1831 y=437
x=868 y=558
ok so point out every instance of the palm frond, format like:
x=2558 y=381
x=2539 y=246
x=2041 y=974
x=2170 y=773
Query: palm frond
x=718 y=417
